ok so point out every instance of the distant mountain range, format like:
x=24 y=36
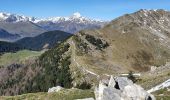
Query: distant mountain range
x=30 y=26
x=70 y=24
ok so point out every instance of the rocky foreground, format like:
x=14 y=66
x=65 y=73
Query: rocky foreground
x=116 y=88
x=121 y=88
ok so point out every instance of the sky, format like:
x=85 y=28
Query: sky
x=97 y=9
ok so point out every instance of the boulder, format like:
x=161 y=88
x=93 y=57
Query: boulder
x=111 y=94
x=55 y=89
x=121 y=88
x=135 y=92
x=99 y=91
x=153 y=68
x=122 y=82
x=112 y=82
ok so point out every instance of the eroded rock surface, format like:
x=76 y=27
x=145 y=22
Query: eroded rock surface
x=55 y=89
x=121 y=88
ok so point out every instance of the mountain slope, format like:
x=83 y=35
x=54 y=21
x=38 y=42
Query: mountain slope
x=66 y=94
x=125 y=44
x=43 y=41
x=9 y=47
x=4 y=35
x=24 y=29
x=37 y=75
x=132 y=44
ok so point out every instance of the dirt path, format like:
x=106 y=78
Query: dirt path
x=76 y=60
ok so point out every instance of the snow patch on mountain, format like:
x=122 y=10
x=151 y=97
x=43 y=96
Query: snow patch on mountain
x=76 y=17
x=7 y=17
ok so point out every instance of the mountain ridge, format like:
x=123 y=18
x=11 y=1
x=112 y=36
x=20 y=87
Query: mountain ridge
x=9 y=17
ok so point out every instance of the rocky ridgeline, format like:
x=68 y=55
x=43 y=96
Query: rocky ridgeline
x=121 y=88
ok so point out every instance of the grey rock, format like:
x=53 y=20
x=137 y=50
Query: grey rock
x=55 y=89
x=111 y=94
x=123 y=81
x=99 y=91
x=135 y=92
x=112 y=82
x=127 y=91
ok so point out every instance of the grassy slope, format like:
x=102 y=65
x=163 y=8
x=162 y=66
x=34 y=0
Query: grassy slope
x=162 y=94
x=162 y=97
x=19 y=56
x=9 y=47
x=50 y=38
x=66 y=94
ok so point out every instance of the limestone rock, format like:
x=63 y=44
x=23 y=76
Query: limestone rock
x=99 y=91
x=112 y=82
x=122 y=82
x=111 y=94
x=55 y=89
x=121 y=88
x=135 y=92
x=153 y=68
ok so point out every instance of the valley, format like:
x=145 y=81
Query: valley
x=18 y=57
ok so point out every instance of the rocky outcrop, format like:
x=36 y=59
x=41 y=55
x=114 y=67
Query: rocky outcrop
x=121 y=88
x=55 y=89
x=160 y=86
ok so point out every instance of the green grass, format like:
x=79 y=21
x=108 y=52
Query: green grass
x=66 y=94
x=161 y=91
x=17 y=57
x=162 y=94
x=162 y=97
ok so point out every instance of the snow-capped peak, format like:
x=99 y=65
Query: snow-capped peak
x=7 y=17
x=77 y=15
x=4 y=16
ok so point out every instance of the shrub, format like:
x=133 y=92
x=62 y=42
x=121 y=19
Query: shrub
x=96 y=42
x=132 y=77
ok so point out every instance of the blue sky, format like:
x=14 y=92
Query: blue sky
x=98 y=9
